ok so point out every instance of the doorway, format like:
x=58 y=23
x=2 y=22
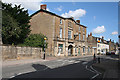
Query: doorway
x=70 y=50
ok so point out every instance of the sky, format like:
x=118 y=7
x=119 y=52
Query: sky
x=101 y=18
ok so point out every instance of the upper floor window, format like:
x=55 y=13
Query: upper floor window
x=60 y=21
x=79 y=36
x=98 y=45
x=60 y=32
x=84 y=49
x=83 y=29
x=83 y=37
x=69 y=24
x=69 y=34
x=79 y=28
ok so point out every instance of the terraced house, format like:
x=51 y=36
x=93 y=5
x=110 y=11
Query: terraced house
x=66 y=37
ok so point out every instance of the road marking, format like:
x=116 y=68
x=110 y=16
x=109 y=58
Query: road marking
x=89 y=69
x=12 y=76
x=84 y=62
x=45 y=68
x=95 y=76
x=72 y=61
x=19 y=73
x=95 y=70
x=77 y=62
x=60 y=60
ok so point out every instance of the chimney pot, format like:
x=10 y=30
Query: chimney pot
x=91 y=34
x=110 y=40
x=78 y=21
x=44 y=6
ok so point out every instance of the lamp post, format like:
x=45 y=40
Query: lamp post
x=44 y=47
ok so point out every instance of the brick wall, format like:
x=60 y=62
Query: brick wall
x=17 y=52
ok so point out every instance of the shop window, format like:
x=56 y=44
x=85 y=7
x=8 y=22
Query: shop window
x=60 y=48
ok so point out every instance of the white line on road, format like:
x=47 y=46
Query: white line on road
x=84 y=62
x=77 y=62
x=95 y=70
x=12 y=76
x=95 y=76
x=89 y=69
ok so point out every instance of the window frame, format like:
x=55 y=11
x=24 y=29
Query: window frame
x=60 y=33
x=69 y=34
x=79 y=36
x=60 y=21
x=59 y=52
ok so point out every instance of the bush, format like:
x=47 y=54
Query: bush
x=35 y=40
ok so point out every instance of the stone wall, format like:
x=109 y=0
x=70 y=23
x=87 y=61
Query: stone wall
x=17 y=52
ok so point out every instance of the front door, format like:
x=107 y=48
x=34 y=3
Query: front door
x=70 y=50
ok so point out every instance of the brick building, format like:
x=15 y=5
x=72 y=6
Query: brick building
x=92 y=43
x=66 y=37
x=100 y=45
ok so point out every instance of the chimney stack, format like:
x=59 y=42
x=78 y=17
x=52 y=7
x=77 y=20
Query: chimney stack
x=78 y=21
x=44 y=6
x=110 y=40
x=90 y=33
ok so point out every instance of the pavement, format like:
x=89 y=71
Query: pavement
x=13 y=62
x=111 y=68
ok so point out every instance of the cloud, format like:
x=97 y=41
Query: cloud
x=108 y=39
x=114 y=33
x=59 y=8
x=99 y=30
x=76 y=14
x=48 y=9
x=31 y=4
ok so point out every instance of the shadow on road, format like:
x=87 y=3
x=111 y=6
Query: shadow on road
x=76 y=70
x=39 y=67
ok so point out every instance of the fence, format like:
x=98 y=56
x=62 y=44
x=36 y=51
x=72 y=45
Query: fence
x=17 y=52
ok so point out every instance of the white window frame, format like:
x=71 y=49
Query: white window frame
x=60 y=21
x=83 y=29
x=79 y=36
x=83 y=37
x=60 y=32
x=79 y=28
x=60 y=49
x=84 y=49
x=69 y=34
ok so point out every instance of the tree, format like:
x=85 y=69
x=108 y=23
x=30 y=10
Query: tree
x=35 y=40
x=20 y=18
x=10 y=29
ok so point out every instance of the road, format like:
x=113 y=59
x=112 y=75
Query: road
x=61 y=68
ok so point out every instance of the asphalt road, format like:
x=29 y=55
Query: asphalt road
x=62 y=68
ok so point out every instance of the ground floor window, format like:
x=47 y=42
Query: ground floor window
x=88 y=49
x=84 y=49
x=75 y=50
x=60 y=48
x=78 y=50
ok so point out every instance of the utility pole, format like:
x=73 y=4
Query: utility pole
x=44 y=47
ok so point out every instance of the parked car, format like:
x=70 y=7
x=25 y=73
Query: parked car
x=113 y=53
x=108 y=53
